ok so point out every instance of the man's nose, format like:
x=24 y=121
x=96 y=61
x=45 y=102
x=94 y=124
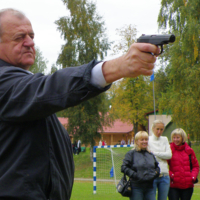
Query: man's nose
x=28 y=41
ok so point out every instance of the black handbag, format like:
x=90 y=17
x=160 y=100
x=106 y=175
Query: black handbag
x=196 y=181
x=124 y=187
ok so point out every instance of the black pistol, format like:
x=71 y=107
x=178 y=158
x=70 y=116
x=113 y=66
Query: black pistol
x=157 y=40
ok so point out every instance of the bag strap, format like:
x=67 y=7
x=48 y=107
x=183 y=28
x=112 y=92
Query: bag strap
x=190 y=162
x=125 y=177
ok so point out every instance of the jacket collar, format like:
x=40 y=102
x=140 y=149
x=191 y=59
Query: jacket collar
x=155 y=137
x=3 y=63
x=181 y=147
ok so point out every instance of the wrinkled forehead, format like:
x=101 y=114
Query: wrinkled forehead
x=14 y=23
x=7 y=16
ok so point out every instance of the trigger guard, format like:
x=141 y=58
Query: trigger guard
x=161 y=46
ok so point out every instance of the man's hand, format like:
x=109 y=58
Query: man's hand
x=137 y=61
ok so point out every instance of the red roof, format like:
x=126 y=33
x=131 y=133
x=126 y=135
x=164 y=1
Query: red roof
x=117 y=127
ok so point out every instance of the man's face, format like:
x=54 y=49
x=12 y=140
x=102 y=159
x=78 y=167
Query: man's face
x=17 y=46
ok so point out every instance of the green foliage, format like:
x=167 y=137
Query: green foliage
x=161 y=83
x=183 y=67
x=53 y=68
x=133 y=98
x=128 y=36
x=40 y=64
x=84 y=33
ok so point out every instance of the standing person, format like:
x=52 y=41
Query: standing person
x=181 y=175
x=123 y=142
x=36 y=156
x=100 y=143
x=79 y=146
x=142 y=168
x=74 y=146
x=159 y=146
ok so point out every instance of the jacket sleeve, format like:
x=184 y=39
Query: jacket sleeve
x=25 y=96
x=195 y=165
x=127 y=163
x=167 y=154
x=170 y=172
x=157 y=168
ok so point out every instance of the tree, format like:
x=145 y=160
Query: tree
x=183 y=96
x=161 y=82
x=40 y=64
x=128 y=36
x=53 y=68
x=132 y=97
x=84 y=33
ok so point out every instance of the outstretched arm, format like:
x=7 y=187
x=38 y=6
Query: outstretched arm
x=137 y=61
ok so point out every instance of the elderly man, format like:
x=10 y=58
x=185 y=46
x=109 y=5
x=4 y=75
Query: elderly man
x=36 y=160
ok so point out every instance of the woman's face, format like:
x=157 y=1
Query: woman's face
x=158 y=129
x=143 y=143
x=177 y=139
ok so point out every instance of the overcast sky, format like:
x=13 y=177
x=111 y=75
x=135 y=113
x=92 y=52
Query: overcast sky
x=116 y=13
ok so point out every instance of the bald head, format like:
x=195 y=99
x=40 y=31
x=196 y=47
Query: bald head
x=17 y=39
x=10 y=11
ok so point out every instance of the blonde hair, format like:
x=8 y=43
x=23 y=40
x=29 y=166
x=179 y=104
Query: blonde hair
x=181 y=132
x=157 y=121
x=139 y=135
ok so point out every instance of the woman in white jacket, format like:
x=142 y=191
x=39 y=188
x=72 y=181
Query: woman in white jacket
x=159 y=146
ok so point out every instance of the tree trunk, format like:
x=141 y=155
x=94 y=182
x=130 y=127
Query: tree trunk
x=135 y=128
x=91 y=154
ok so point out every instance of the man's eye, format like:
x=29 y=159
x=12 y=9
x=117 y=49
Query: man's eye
x=19 y=38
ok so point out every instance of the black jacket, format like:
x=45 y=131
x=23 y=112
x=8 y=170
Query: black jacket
x=141 y=167
x=36 y=160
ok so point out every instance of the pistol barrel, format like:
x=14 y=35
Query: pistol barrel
x=157 y=39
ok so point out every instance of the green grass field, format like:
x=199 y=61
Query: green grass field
x=83 y=191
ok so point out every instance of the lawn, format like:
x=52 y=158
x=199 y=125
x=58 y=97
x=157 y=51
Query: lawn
x=83 y=191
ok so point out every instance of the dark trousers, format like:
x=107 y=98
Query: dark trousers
x=180 y=194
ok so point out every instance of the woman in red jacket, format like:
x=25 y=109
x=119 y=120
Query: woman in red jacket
x=182 y=178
